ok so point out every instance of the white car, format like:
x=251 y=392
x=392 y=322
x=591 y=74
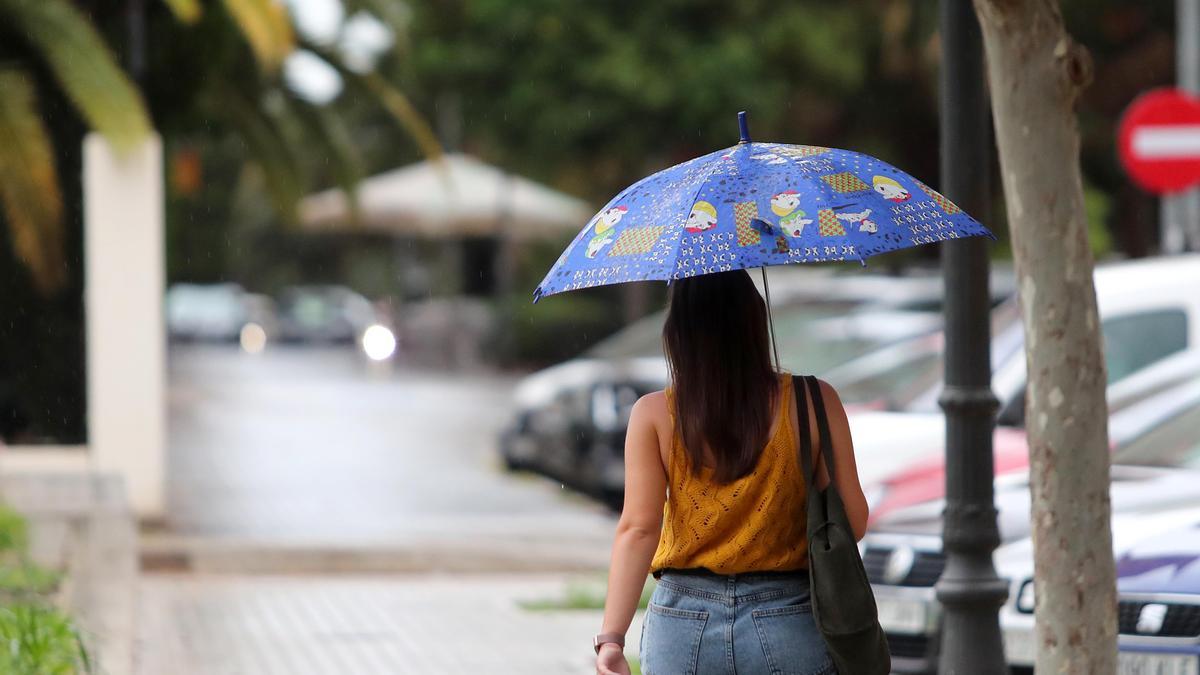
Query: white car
x=903 y=553
x=1149 y=311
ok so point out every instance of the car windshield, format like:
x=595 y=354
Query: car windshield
x=925 y=383
x=1172 y=439
x=310 y=309
x=803 y=345
x=894 y=386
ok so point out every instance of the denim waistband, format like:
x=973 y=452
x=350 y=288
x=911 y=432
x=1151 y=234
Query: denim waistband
x=733 y=587
x=748 y=576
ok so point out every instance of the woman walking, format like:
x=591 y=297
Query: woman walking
x=715 y=499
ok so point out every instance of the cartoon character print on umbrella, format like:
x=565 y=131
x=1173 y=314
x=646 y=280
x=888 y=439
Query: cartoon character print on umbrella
x=603 y=229
x=890 y=189
x=702 y=219
x=791 y=218
x=860 y=218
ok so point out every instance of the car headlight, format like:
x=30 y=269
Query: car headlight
x=378 y=342
x=253 y=338
x=1026 y=600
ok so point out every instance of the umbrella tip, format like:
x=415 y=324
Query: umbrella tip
x=743 y=127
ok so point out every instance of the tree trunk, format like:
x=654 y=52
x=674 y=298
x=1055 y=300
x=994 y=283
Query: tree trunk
x=1036 y=72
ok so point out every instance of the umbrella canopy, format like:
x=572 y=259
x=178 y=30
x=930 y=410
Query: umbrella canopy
x=752 y=205
x=461 y=197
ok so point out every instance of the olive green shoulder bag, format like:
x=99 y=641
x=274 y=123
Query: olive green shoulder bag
x=842 y=601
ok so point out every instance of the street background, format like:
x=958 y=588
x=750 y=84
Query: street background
x=274 y=397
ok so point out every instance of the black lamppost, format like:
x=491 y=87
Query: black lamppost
x=970 y=591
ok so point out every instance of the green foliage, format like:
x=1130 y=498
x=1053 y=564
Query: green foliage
x=29 y=191
x=266 y=27
x=14 y=534
x=594 y=95
x=1098 y=206
x=558 y=327
x=24 y=579
x=83 y=65
x=38 y=640
x=187 y=11
x=35 y=638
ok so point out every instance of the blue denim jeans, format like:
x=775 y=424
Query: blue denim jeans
x=742 y=624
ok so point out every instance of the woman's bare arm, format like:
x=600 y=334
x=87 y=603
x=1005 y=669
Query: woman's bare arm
x=641 y=517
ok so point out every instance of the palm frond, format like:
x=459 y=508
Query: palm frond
x=268 y=147
x=187 y=11
x=330 y=132
x=83 y=66
x=29 y=183
x=267 y=28
x=390 y=97
x=402 y=109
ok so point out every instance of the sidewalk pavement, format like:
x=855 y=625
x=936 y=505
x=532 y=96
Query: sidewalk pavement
x=303 y=454
x=426 y=624
x=323 y=520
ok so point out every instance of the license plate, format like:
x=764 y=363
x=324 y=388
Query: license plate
x=897 y=615
x=1140 y=663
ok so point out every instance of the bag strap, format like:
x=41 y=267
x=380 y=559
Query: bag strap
x=822 y=427
x=803 y=386
x=807 y=467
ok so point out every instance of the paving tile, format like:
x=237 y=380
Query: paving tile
x=429 y=624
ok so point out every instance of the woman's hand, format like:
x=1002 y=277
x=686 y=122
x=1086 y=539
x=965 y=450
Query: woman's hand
x=611 y=660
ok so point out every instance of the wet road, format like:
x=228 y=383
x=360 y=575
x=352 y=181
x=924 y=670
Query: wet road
x=310 y=447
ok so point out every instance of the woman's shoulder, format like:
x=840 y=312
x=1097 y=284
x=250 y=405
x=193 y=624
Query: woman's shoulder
x=652 y=408
x=652 y=402
x=828 y=391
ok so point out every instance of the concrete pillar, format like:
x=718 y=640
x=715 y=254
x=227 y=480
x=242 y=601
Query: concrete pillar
x=126 y=352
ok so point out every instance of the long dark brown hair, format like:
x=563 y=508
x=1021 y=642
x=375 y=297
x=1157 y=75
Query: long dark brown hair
x=718 y=349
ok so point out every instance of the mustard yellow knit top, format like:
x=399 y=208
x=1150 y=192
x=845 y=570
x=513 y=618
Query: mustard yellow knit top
x=756 y=523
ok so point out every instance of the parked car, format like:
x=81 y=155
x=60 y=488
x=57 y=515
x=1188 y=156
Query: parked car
x=1145 y=296
x=571 y=418
x=323 y=315
x=902 y=552
x=926 y=479
x=1158 y=616
x=206 y=312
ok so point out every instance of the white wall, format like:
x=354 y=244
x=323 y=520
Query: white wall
x=126 y=344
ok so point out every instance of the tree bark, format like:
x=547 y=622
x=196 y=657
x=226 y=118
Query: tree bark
x=1036 y=73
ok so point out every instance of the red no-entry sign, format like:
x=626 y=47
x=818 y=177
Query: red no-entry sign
x=1159 y=141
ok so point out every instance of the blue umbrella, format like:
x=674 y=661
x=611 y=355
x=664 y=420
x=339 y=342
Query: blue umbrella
x=753 y=205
